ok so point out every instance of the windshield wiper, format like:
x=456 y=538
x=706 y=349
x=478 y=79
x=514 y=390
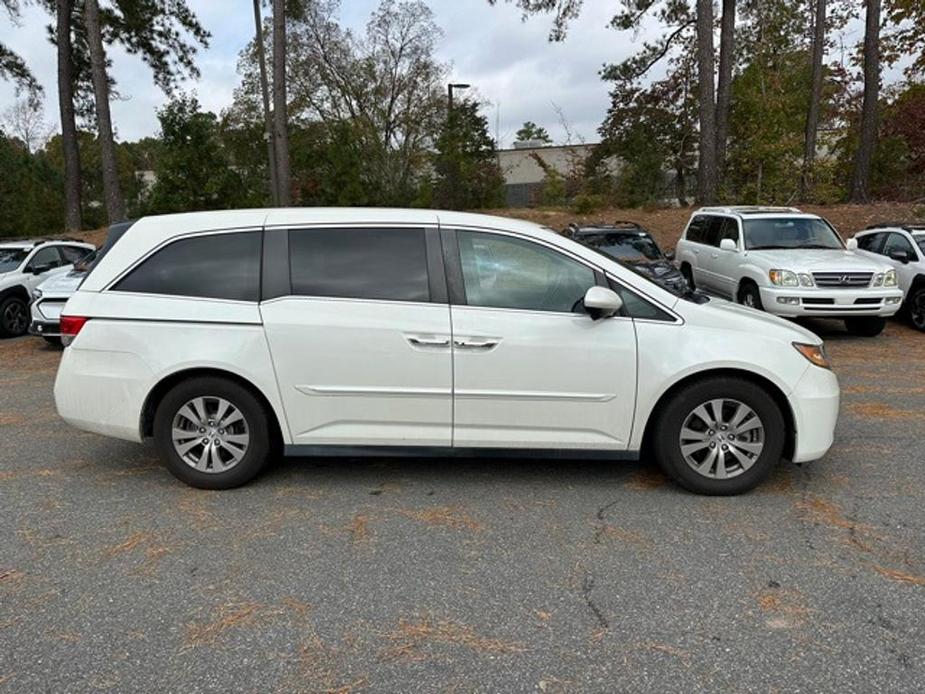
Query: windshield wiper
x=819 y=245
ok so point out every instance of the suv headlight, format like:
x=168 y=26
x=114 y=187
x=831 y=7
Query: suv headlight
x=806 y=280
x=889 y=278
x=784 y=278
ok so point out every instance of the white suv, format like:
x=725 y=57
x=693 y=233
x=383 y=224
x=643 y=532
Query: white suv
x=24 y=265
x=228 y=335
x=787 y=263
x=901 y=245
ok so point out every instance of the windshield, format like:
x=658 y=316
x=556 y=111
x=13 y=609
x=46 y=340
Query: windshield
x=632 y=247
x=790 y=232
x=11 y=258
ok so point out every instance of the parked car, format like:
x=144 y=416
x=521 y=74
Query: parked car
x=49 y=298
x=902 y=245
x=632 y=245
x=788 y=263
x=228 y=335
x=25 y=264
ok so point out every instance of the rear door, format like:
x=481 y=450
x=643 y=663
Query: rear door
x=359 y=330
x=724 y=264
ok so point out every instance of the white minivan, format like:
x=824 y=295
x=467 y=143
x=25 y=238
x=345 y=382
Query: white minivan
x=228 y=336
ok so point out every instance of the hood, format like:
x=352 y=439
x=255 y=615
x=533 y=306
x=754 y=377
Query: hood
x=719 y=313
x=656 y=269
x=64 y=283
x=815 y=260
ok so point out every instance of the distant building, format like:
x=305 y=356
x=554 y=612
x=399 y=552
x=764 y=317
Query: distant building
x=523 y=175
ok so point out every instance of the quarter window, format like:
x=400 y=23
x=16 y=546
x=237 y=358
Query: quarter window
x=506 y=272
x=215 y=266
x=389 y=264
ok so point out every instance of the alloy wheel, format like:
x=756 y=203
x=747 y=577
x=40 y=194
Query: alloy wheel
x=917 y=309
x=210 y=434
x=721 y=438
x=14 y=318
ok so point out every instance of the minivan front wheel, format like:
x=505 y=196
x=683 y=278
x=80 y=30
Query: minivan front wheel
x=212 y=433
x=720 y=436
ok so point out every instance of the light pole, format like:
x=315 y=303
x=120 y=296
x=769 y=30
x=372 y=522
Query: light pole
x=449 y=95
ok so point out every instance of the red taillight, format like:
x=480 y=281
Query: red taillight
x=70 y=326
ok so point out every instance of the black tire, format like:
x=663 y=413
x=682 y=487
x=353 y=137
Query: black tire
x=14 y=317
x=667 y=436
x=55 y=341
x=257 y=423
x=688 y=276
x=916 y=307
x=750 y=296
x=865 y=326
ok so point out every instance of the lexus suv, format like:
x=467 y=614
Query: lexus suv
x=227 y=336
x=788 y=263
x=24 y=264
x=902 y=245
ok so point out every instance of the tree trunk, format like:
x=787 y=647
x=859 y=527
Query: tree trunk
x=115 y=205
x=860 y=182
x=64 y=11
x=724 y=86
x=815 y=100
x=265 y=94
x=706 y=164
x=281 y=132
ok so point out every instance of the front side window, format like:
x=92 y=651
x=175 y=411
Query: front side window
x=897 y=242
x=729 y=230
x=45 y=259
x=507 y=272
x=920 y=239
x=73 y=253
x=790 y=232
x=11 y=258
x=385 y=264
x=215 y=266
x=871 y=242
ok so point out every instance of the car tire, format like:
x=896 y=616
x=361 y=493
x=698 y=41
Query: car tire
x=750 y=296
x=54 y=341
x=688 y=276
x=193 y=413
x=916 y=307
x=756 y=446
x=865 y=326
x=14 y=317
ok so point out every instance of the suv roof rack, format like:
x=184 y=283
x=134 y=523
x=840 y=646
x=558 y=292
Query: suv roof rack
x=749 y=209
x=908 y=226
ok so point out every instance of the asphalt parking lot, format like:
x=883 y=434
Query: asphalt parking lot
x=463 y=576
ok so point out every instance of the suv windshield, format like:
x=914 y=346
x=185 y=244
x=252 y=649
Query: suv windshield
x=10 y=258
x=790 y=232
x=631 y=246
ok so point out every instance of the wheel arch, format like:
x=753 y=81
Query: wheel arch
x=162 y=387
x=773 y=389
x=17 y=290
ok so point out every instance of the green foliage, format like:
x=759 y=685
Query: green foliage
x=31 y=191
x=466 y=170
x=531 y=131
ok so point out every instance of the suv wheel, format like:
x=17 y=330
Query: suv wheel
x=917 y=308
x=720 y=436
x=865 y=326
x=750 y=296
x=14 y=317
x=212 y=433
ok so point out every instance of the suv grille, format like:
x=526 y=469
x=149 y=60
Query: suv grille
x=842 y=279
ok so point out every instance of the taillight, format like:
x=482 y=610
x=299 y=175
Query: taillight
x=70 y=326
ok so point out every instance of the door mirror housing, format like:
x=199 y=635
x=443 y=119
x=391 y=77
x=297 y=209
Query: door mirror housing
x=852 y=244
x=728 y=245
x=601 y=302
x=900 y=255
x=39 y=269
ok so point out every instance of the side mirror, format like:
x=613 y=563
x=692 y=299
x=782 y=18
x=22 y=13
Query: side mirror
x=852 y=244
x=728 y=245
x=39 y=269
x=669 y=255
x=601 y=302
x=900 y=255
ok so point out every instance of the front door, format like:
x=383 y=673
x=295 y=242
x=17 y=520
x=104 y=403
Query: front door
x=531 y=368
x=361 y=339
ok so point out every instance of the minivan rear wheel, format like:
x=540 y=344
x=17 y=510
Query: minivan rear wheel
x=212 y=433
x=720 y=436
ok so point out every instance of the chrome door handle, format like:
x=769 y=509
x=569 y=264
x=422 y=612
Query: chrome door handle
x=419 y=341
x=474 y=343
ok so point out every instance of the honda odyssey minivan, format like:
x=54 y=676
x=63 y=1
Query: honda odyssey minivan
x=227 y=336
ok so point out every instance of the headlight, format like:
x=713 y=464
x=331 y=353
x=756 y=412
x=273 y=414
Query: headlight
x=889 y=279
x=813 y=353
x=806 y=280
x=784 y=278
x=878 y=280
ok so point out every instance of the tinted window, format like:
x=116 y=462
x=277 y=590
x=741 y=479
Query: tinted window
x=871 y=242
x=73 y=253
x=11 y=258
x=386 y=264
x=696 y=231
x=635 y=306
x=216 y=266
x=920 y=239
x=729 y=229
x=897 y=242
x=46 y=257
x=506 y=272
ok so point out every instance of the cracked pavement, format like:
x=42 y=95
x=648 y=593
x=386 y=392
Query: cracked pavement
x=465 y=575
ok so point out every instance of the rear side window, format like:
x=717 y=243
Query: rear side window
x=385 y=264
x=216 y=266
x=696 y=230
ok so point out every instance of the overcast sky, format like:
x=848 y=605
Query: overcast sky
x=509 y=61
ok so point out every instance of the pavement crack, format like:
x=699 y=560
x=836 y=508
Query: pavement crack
x=587 y=585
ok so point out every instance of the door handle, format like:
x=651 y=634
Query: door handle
x=421 y=341
x=476 y=343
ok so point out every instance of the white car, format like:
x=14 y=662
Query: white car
x=228 y=335
x=49 y=298
x=24 y=265
x=788 y=263
x=903 y=247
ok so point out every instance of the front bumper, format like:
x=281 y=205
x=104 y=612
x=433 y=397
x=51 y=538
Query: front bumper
x=815 y=402
x=830 y=303
x=45 y=328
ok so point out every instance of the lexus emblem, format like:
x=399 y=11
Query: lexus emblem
x=844 y=279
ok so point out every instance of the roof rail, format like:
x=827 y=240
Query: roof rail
x=748 y=209
x=908 y=226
